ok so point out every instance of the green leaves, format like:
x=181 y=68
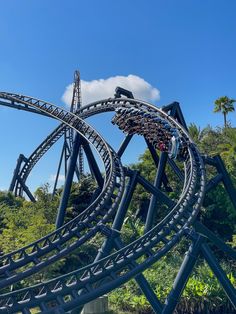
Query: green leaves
x=202 y=294
x=22 y=226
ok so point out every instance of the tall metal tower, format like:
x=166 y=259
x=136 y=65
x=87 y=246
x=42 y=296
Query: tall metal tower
x=69 y=135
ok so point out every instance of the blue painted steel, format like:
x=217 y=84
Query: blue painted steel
x=109 y=208
x=153 y=201
x=219 y=273
x=183 y=275
x=68 y=182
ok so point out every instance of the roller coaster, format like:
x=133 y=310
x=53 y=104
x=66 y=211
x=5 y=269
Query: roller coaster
x=166 y=135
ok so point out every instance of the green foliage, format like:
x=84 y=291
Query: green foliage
x=9 y=199
x=80 y=196
x=23 y=225
x=227 y=149
x=202 y=294
x=46 y=203
x=24 y=222
x=198 y=134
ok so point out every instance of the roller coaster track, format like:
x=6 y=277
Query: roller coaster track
x=64 y=293
x=84 y=226
x=77 y=288
x=36 y=156
x=21 y=177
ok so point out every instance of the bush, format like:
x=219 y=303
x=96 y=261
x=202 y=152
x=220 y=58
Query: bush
x=202 y=294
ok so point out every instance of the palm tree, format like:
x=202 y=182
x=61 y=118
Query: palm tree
x=225 y=105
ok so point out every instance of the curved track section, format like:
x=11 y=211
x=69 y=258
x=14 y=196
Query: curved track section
x=65 y=239
x=51 y=140
x=66 y=292
x=37 y=155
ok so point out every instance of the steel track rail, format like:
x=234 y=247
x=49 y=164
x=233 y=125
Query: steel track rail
x=74 y=289
x=53 y=138
x=37 y=155
x=116 y=269
x=80 y=228
x=84 y=112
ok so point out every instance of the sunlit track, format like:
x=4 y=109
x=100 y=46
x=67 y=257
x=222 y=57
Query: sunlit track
x=84 y=112
x=81 y=228
x=37 y=155
x=84 y=284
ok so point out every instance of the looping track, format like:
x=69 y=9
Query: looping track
x=64 y=293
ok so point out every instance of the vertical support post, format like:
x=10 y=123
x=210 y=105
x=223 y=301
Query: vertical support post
x=109 y=243
x=183 y=275
x=176 y=169
x=179 y=115
x=143 y=284
x=176 y=112
x=92 y=163
x=120 y=215
x=58 y=170
x=155 y=158
x=157 y=184
x=219 y=273
x=16 y=172
x=68 y=182
x=67 y=153
x=152 y=189
x=26 y=190
x=124 y=145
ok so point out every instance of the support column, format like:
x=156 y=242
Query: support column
x=16 y=172
x=124 y=145
x=156 y=158
x=109 y=244
x=58 y=170
x=68 y=182
x=26 y=190
x=183 y=275
x=219 y=273
x=152 y=189
x=116 y=241
x=120 y=216
x=157 y=184
x=144 y=284
x=92 y=163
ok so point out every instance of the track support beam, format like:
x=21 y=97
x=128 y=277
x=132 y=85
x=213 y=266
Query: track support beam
x=68 y=182
x=183 y=275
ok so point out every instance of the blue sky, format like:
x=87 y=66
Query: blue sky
x=185 y=49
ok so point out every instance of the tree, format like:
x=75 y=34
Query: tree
x=198 y=134
x=225 y=105
x=227 y=149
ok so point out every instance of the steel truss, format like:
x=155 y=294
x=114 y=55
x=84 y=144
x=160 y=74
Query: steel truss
x=106 y=214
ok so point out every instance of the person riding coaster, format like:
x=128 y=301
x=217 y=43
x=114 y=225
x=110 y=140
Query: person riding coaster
x=159 y=132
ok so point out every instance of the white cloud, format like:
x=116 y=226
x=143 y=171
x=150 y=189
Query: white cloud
x=61 y=177
x=105 y=88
